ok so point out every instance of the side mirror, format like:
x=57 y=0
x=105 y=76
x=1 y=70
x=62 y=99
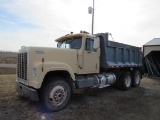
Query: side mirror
x=96 y=44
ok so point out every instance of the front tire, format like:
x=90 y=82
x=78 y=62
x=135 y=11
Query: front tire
x=56 y=94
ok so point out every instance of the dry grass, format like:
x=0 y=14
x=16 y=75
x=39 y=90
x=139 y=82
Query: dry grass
x=8 y=58
x=7 y=71
x=140 y=103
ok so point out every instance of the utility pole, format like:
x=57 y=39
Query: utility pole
x=91 y=11
x=93 y=18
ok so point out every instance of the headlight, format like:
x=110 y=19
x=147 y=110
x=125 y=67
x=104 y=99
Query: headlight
x=34 y=72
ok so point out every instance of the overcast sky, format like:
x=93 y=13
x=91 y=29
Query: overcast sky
x=39 y=22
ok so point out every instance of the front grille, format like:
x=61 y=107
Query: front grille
x=22 y=66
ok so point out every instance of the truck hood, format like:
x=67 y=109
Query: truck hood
x=51 y=55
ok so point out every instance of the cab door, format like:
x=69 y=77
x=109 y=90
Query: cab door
x=91 y=57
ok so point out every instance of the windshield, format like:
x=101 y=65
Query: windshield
x=72 y=43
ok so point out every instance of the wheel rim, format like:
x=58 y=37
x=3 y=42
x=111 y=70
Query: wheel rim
x=57 y=95
x=137 y=78
x=128 y=81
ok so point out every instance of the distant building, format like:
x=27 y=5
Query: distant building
x=151 y=55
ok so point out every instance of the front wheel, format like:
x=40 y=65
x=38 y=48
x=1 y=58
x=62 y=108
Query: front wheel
x=56 y=94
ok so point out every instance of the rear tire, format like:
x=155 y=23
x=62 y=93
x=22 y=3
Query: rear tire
x=125 y=80
x=56 y=94
x=136 y=79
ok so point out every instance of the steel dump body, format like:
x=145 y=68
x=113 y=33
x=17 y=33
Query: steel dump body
x=118 y=55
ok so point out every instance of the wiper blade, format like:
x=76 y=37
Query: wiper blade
x=61 y=43
x=70 y=41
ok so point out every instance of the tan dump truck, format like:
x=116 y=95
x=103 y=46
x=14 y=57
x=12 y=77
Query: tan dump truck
x=79 y=61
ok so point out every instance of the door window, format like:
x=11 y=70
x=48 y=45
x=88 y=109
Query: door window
x=89 y=44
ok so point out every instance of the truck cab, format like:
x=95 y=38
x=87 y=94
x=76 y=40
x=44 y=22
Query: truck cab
x=88 y=51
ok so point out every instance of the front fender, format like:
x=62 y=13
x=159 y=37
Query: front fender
x=56 y=66
x=48 y=67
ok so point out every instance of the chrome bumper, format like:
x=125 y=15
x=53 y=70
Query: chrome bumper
x=27 y=92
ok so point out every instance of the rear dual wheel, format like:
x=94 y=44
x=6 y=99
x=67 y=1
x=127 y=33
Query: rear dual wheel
x=136 y=79
x=125 y=80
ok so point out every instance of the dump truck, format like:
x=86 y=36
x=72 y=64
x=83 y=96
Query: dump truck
x=80 y=61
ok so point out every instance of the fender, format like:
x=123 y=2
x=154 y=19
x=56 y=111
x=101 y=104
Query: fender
x=55 y=66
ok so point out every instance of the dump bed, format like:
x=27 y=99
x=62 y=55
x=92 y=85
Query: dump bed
x=114 y=54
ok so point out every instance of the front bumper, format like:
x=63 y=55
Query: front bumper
x=27 y=92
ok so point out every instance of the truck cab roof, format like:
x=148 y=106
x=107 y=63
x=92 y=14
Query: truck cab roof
x=74 y=35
